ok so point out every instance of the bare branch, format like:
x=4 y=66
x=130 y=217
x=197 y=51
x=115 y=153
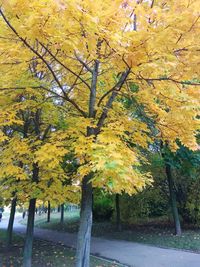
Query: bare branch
x=111 y=99
x=75 y=82
x=152 y=3
x=82 y=62
x=116 y=87
x=93 y=90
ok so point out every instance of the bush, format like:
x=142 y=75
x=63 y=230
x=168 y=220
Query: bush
x=102 y=207
x=144 y=205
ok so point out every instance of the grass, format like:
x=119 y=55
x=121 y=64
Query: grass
x=45 y=254
x=70 y=224
x=160 y=234
x=190 y=239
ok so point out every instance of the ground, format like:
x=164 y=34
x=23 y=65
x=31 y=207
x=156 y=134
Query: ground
x=160 y=235
x=127 y=253
x=45 y=254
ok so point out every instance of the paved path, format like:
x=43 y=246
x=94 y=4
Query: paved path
x=127 y=253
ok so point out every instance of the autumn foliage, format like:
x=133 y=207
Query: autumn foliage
x=76 y=62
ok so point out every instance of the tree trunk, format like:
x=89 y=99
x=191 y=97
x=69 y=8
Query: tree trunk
x=118 y=214
x=173 y=200
x=84 y=234
x=58 y=209
x=62 y=209
x=11 y=222
x=29 y=234
x=49 y=212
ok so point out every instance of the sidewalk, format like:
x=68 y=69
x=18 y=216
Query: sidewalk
x=128 y=253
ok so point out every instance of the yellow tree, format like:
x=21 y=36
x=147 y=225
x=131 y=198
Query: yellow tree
x=30 y=157
x=90 y=52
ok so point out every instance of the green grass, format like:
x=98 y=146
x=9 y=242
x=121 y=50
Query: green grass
x=70 y=224
x=157 y=234
x=190 y=239
x=45 y=254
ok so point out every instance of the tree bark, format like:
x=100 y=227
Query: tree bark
x=62 y=209
x=58 y=209
x=27 y=259
x=172 y=193
x=11 y=222
x=118 y=213
x=49 y=212
x=84 y=234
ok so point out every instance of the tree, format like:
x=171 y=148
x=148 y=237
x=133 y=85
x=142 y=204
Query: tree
x=172 y=194
x=25 y=168
x=62 y=207
x=49 y=211
x=11 y=222
x=118 y=212
x=184 y=165
x=89 y=60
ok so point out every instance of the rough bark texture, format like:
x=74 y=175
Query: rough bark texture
x=62 y=213
x=172 y=193
x=11 y=222
x=118 y=215
x=49 y=212
x=29 y=234
x=84 y=234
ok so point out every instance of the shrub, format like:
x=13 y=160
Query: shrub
x=102 y=207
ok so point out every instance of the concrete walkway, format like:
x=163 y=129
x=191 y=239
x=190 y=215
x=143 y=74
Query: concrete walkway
x=127 y=253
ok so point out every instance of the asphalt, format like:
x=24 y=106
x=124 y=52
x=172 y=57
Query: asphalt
x=127 y=253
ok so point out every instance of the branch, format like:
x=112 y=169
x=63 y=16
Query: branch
x=75 y=82
x=46 y=132
x=82 y=62
x=172 y=99
x=45 y=62
x=93 y=90
x=21 y=88
x=152 y=4
x=112 y=98
x=170 y=79
x=193 y=24
x=116 y=87
x=31 y=48
x=63 y=65
x=50 y=91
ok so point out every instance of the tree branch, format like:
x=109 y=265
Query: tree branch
x=92 y=99
x=45 y=62
x=170 y=79
x=50 y=91
x=64 y=66
x=116 y=87
x=46 y=132
x=82 y=62
x=108 y=105
x=152 y=4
